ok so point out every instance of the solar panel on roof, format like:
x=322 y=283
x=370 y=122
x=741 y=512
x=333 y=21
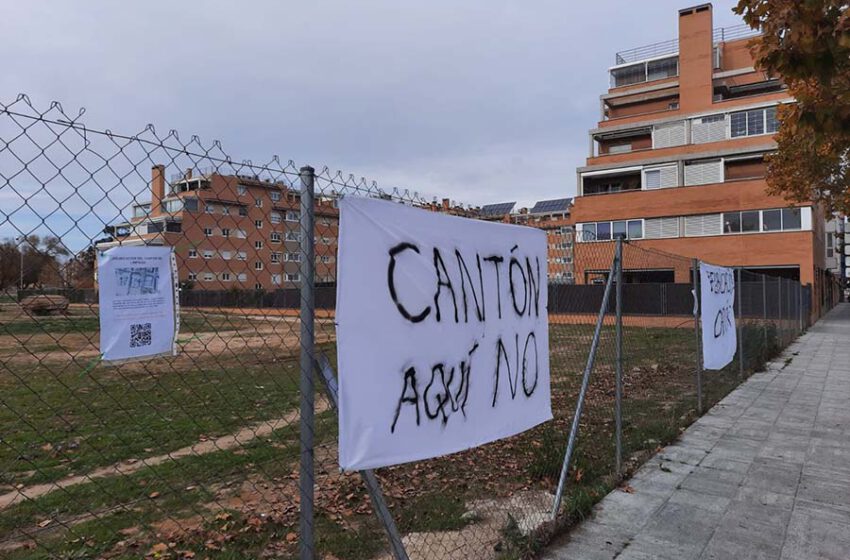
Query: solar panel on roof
x=499 y=209
x=551 y=206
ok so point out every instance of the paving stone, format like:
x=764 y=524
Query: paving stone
x=763 y=475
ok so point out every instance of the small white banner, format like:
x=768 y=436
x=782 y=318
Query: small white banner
x=719 y=334
x=137 y=302
x=442 y=333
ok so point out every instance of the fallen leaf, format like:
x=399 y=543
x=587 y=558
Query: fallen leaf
x=291 y=537
x=627 y=489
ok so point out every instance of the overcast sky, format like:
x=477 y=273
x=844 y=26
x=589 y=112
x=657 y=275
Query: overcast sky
x=481 y=101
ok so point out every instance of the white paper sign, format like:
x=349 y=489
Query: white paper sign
x=719 y=335
x=442 y=333
x=136 y=295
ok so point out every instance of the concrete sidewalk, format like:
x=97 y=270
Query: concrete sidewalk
x=765 y=474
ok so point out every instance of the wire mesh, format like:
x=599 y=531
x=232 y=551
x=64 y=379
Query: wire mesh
x=197 y=454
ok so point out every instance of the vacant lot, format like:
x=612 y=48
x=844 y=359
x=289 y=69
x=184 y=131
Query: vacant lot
x=197 y=453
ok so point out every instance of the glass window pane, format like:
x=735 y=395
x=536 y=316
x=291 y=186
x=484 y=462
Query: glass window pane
x=619 y=228
x=738 y=123
x=588 y=232
x=771 y=220
x=749 y=221
x=732 y=222
x=755 y=122
x=603 y=230
x=791 y=219
x=635 y=229
x=660 y=69
x=772 y=124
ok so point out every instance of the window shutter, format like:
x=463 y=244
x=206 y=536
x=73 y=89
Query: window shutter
x=704 y=172
x=708 y=129
x=668 y=134
x=706 y=224
x=659 y=228
x=661 y=177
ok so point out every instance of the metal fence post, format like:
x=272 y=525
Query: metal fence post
x=585 y=381
x=306 y=478
x=738 y=289
x=697 y=314
x=764 y=304
x=780 y=326
x=618 y=408
x=799 y=287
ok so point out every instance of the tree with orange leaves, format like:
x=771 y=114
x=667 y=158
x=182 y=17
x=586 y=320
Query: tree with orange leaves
x=807 y=44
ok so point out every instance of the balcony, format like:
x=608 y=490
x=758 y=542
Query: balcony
x=661 y=60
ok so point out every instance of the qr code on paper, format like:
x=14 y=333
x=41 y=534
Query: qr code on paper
x=140 y=335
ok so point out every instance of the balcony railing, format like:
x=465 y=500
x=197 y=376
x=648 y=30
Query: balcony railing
x=671 y=47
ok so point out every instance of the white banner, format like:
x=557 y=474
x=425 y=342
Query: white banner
x=442 y=333
x=719 y=335
x=136 y=295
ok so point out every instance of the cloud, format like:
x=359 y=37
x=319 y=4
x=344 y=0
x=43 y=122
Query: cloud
x=476 y=101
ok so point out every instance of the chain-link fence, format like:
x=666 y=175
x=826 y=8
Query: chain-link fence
x=215 y=451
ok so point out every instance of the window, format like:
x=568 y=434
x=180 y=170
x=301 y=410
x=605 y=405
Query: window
x=669 y=134
x=258 y=224
x=588 y=232
x=258 y=244
x=241 y=276
x=241 y=256
x=708 y=129
x=258 y=286
x=661 y=177
x=258 y=265
x=193 y=253
x=275 y=257
x=275 y=217
x=293 y=236
x=661 y=228
x=208 y=231
x=225 y=210
x=830 y=245
x=192 y=276
x=635 y=230
x=174 y=227
x=240 y=233
x=732 y=222
x=293 y=277
x=792 y=219
x=274 y=237
x=209 y=254
x=275 y=196
x=749 y=221
x=225 y=276
x=141 y=211
x=258 y=202
x=243 y=210
x=619 y=229
x=771 y=220
x=173 y=206
x=276 y=279
x=225 y=232
x=155 y=227
x=209 y=208
x=225 y=255
x=703 y=172
x=293 y=257
x=325 y=259
x=753 y=122
x=208 y=276
x=293 y=216
x=603 y=231
x=241 y=190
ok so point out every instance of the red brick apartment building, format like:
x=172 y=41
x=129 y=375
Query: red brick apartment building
x=677 y=162
x=552 y=216
x=231 y=231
